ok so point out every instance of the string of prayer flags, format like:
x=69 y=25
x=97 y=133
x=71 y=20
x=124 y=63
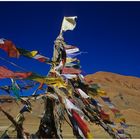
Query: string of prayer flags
x=12 y=51
x=34 y=55
x=119 y=117
x=111 y=106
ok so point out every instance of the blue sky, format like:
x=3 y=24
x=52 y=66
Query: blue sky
x=108 y=31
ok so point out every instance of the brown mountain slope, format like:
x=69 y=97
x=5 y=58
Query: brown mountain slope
x=124 y=92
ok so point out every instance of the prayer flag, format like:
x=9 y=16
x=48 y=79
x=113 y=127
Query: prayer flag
x=9 y=47
x=68 y=23
x=66 y=70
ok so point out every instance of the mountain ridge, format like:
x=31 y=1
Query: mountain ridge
x=126 y=81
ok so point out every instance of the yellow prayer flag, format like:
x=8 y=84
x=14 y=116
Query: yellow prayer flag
x=58 y=82
x=69 y=60
x=89 y=135
x=32 y=53
x=121 y=119
x=101 y=92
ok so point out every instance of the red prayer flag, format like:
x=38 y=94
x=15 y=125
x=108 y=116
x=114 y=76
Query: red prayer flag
x=115 y=110
x=70 y=71
x=104 y=116
x=67 y=47
x=82 y=125
x=22 y=75
x=5 y=73
x=10 y=48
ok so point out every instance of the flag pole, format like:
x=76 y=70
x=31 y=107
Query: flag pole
x=61 y=31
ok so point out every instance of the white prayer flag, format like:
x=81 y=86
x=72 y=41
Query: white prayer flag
x=1 y=41
x=70 y=51
x=82 y=93
x=68 y=23
x=69 y=105
x=69 y=76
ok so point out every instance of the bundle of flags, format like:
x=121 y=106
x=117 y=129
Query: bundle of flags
x=67 y=92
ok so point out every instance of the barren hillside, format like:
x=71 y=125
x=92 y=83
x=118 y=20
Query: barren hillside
x=124 y=92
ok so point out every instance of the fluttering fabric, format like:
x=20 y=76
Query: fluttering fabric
x=70 y=71
x=67 y=94
x=68 y=23
x=13 y=51
x=9 y=47
x=6 y=73
x=34 y=55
